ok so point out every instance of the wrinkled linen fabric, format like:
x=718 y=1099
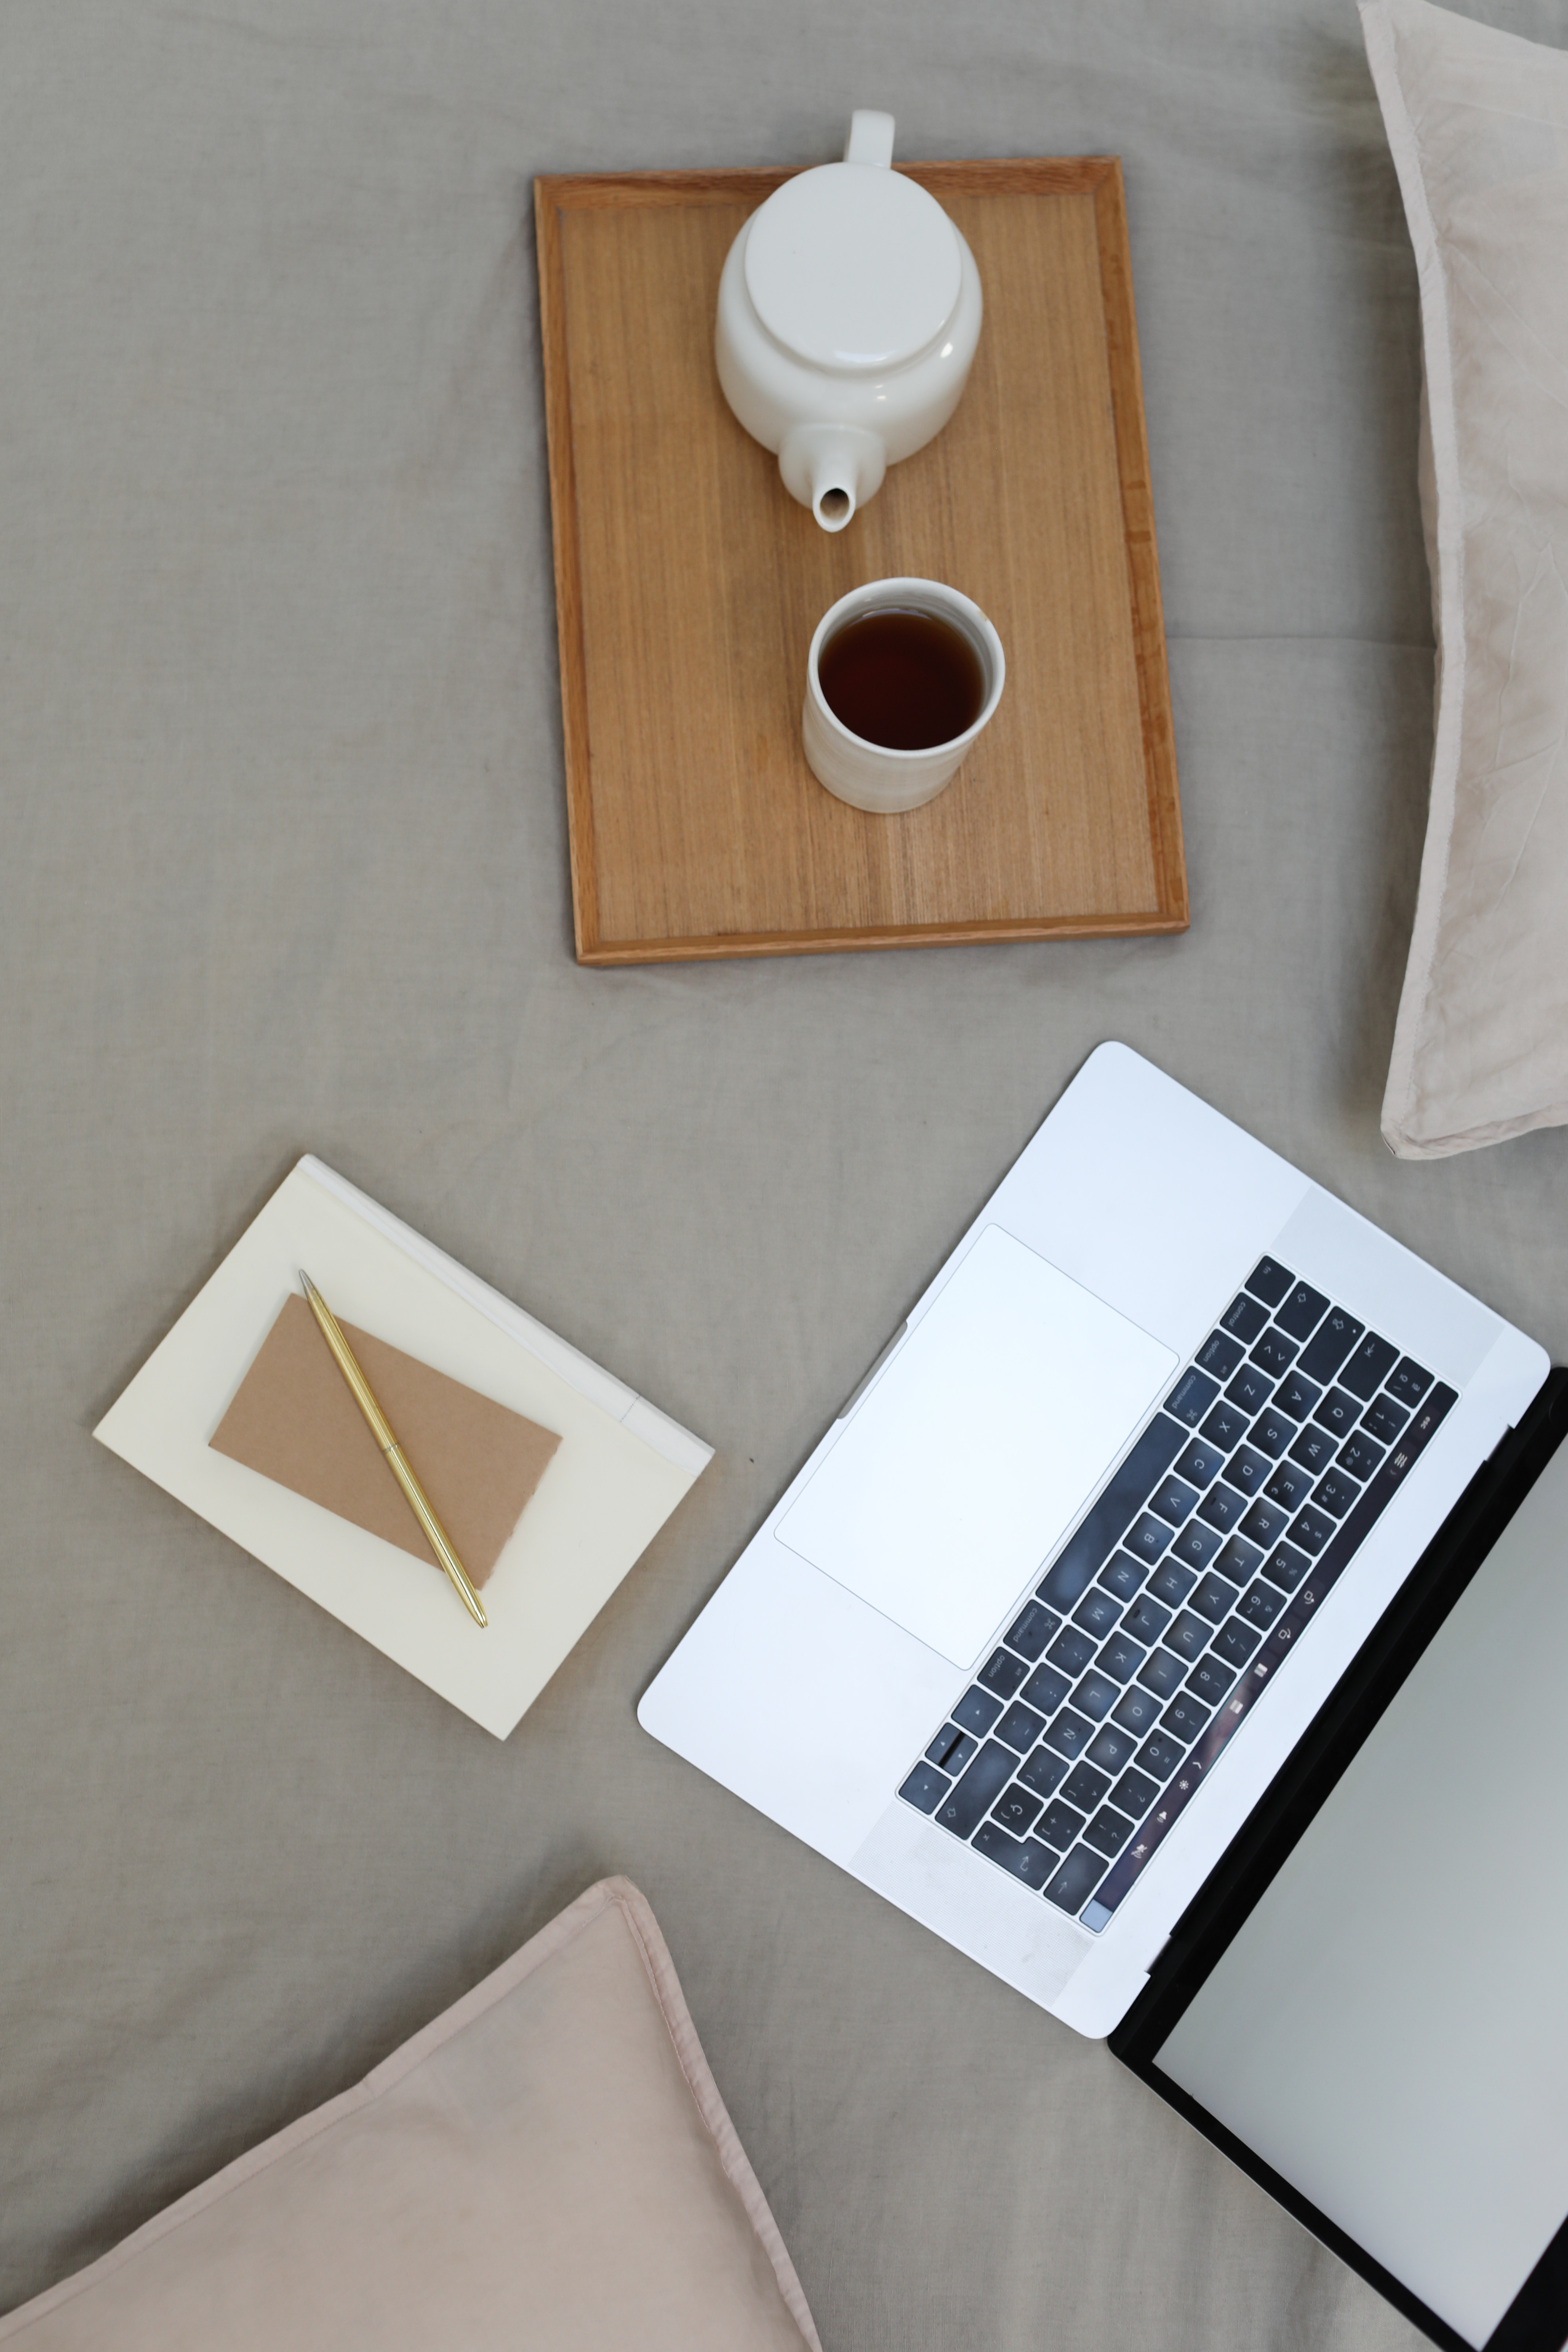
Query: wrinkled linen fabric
x=547 y=2165
x=1477 y=123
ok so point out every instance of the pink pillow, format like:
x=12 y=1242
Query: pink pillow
x=549 y=2165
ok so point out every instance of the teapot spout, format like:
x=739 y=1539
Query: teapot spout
x=832 y=470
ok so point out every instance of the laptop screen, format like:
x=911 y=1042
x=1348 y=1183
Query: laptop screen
x=1389 y=2027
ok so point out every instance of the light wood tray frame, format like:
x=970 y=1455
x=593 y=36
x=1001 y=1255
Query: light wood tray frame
x=688 y=583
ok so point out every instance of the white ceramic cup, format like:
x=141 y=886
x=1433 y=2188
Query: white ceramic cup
x=870 y=775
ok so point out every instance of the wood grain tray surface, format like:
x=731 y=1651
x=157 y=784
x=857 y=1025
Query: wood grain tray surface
x=688 y=583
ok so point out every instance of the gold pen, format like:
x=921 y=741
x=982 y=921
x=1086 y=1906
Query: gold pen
x=396 y=1460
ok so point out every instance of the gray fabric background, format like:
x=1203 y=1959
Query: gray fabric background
x=284 y=868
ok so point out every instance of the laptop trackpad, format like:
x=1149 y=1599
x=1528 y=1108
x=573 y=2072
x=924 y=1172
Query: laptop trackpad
x=976 y=1449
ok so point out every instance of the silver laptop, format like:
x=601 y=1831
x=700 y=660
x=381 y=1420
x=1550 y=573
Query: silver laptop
x=1042 y=1615
x=1088 y=1636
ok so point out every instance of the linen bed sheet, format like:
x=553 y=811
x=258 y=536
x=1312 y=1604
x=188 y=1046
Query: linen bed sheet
x=286 y=869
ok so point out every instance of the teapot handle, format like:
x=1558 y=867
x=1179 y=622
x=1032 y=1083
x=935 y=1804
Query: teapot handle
x=870 y=138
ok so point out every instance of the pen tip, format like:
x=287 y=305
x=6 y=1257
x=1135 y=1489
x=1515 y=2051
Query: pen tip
x=305 y=1278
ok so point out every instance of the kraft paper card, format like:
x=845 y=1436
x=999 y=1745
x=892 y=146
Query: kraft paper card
x=294 y=1420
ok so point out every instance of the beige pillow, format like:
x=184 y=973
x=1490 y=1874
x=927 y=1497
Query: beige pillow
x=1477 y=122
x=547 y=2168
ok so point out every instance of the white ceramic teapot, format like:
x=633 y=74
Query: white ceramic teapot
x=848 y=312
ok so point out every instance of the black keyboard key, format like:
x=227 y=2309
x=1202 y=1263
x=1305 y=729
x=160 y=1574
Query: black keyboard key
x=1384 y=1420
x=1026 y=1858
x=1097 y=1612
x=1031 y=1631
x=1122 y=1575
x=1071 y=1733
x=1222 y=1507
x=1302 y=1311
x=1335 y=1493
x=1250 y=1390
x=1096 y=1695
x=1172 y=1499
x=951 y=1750
x=1238 y=1558
x=1187 y=1636
x=977 y=1710
x=1285 y=1567
x=1210 y=1680
x=1136 y=1710
x=1072 y=1649
x=1020 y=1727
x=1269 y=1281
x=1316 y=1448
x=925 y=1787
x=1265 y=1522
x=1409 y=1382
x=1183 y=1718
x=1260 y=1605
x=1338 y=1412
x=1236 y=1642
x=1213 y=1599
x=1225 y=1426
x=1059 y=1826
x=1172 y=1581
x=1272 y=1433
x=1359 y=1455
x=1196 y=1546
x=1219 y=1355
x=1090 y=1545
x=1248 y=1470
x=1296 y=1395
x=1160 y=1756
x=1108 y=1833
x=1329 y=1344
x=1244 y=1317
x=1147 y=1537
x=1146 y=1620
x=968 y=1804
x=1001 y=1672
x=1369 y=1366
x=1293 y=1481
x=1120 y=1658
x=1201 y=1464
x=1045 y=1689
x=1111 y=1748
x=1076 y=1879
x=1133 y=1794
x=1161 y=1672
x=1191 y=1397
x=1016 y=1810
x=1274 y=1355
x=1043 y=1772
x=1085 y=1788
x=1309 y=1531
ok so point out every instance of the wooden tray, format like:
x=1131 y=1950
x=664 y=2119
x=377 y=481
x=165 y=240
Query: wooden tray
x=688 y=583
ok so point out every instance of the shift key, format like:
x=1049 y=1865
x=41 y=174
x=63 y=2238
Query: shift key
x=974 y=1796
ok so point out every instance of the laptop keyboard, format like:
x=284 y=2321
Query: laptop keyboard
x=1169 y=1611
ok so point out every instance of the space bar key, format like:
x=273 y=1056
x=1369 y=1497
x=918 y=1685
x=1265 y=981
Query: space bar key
x=1113 y=1513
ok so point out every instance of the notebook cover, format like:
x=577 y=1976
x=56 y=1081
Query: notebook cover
x=620 y=1467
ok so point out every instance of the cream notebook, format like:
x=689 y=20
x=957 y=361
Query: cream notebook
x=619 y=1470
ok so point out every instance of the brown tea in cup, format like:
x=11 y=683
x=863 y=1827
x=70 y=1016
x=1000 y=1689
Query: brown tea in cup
x=904 y=679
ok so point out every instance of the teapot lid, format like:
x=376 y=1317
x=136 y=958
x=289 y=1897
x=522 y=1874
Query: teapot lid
x=852 y=266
